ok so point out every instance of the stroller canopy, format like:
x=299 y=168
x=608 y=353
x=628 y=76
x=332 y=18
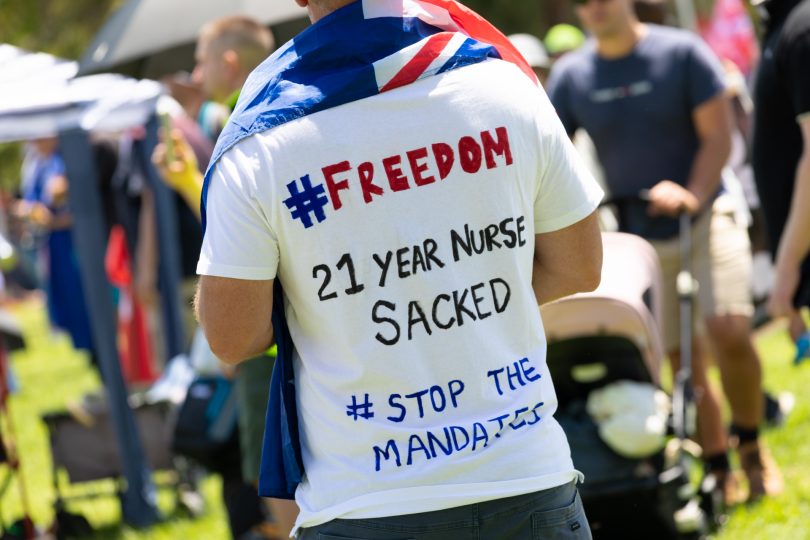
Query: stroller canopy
x=626 y=304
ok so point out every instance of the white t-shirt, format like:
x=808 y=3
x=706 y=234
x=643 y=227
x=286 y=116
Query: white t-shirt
x=402 y=228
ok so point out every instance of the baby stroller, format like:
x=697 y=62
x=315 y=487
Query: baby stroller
x=595 y=340
x=84 y=447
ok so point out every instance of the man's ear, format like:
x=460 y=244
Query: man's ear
x=231 y=60
x=302 y=3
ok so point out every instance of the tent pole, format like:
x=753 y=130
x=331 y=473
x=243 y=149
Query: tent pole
x=138 y=502
x=168 y=245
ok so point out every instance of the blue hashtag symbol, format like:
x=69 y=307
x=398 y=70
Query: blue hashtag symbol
x=310 y=200
x=360 y=410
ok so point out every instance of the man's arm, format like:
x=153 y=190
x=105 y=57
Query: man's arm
x=146 y=252
x=712 y=121
x=795 y=243
x=236 y=316
x=567 y=261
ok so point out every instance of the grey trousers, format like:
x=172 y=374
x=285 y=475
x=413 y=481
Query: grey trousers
x=552 y=514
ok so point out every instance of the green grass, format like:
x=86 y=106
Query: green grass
x=788 y=515
x=51 y=374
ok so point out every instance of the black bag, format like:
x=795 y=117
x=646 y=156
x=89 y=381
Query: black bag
x=206 y=429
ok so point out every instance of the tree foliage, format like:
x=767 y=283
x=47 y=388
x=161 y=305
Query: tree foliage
x=530 y=16
x=65 y=29
x=58 y=27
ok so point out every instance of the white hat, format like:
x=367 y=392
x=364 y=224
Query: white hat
x=532 y=50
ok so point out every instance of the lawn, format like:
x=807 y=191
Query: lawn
x=51 y=374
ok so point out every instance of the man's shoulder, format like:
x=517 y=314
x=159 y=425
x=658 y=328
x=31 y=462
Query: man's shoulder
x=491 y=72
x=797 y=26
x=667 y=39
x=580 y=59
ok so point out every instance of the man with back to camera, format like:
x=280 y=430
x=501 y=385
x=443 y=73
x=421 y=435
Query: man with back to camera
x=652 y=99
x=781 y=156
x=417 y=198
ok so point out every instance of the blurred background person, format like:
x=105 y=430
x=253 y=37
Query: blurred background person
x=679 y=115
x=781 y=157
x=533 y=50
x=562 y=38
x=227 y=51
x=46 y=213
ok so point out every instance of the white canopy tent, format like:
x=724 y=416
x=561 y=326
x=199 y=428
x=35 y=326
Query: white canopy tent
x=40 y=96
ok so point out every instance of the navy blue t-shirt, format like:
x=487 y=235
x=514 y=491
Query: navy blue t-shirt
x=638 y=111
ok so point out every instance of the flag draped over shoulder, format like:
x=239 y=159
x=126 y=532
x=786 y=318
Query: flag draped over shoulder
x=361 y=50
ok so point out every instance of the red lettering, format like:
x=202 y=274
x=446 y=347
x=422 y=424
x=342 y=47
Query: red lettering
x=501 y=147
x=335 y=188
x=417 y=168
x=444 y=159
x=393 y=169
x=470 y=155
x=366 y=172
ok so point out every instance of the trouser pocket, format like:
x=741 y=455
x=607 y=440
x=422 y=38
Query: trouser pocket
x=565 y=523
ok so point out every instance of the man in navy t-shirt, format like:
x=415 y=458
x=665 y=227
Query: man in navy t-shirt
x=652 y=99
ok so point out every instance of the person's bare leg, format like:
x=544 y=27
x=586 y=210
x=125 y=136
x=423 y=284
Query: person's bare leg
x=741 y=374
x=740 y=368
x=711 y=430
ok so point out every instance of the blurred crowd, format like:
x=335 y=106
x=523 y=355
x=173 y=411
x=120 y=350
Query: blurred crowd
x=665 y=118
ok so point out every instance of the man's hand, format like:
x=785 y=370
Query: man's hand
x=780 y=302
x=144 y=287
x=176 y=162
x=177 y=165
x=670 y=199
x=33 y=212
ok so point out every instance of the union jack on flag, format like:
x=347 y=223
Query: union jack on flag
x=460 y=28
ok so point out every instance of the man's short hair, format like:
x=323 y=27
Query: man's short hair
x=651 y=11
x=248 y=38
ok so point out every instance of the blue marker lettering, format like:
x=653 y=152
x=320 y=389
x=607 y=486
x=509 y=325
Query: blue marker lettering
x=434 y=441
x=418 y=396
x=500 y=420
x=479 y=434
x=391 y=402
x=414 y=447
x=514 y=375
x=455 y=393
x=434 y=391
x=494 y=374
x=456 y=429
x=518 y=414
x=527 y=371
x=390 y=447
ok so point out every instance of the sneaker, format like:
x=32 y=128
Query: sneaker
x=777 y=408
x=802 y=348
x=762 y=472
